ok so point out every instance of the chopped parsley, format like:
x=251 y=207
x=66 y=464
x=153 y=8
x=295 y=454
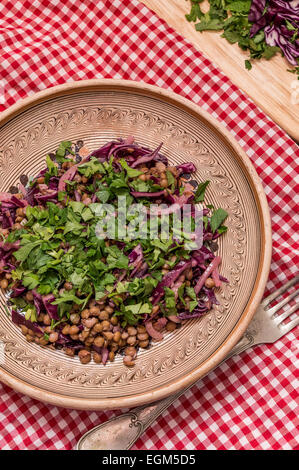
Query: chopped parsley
x=231 y=17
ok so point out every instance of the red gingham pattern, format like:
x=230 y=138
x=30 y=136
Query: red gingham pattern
x=250 y=402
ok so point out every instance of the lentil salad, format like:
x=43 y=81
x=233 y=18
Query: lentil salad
x=95 y=297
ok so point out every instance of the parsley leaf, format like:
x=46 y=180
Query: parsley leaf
x=131 y=314
x=218 y=216
x=209 y=25
x=103 y=195
x=23 y=252
x=248 y=65
x=241 y=6
x=30 y=280
x=170 y=301
x=231 y=16
x=91 y=167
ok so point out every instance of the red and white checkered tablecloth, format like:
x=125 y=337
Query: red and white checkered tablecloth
x=250 y=402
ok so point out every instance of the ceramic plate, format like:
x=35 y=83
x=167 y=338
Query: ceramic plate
x=97 y=111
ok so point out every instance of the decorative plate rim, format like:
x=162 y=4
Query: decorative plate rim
x=265 y=247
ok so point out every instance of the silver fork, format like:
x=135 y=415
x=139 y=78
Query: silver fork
x=123 y=431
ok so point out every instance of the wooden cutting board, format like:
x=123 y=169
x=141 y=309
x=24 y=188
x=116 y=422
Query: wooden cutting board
x=268 y=83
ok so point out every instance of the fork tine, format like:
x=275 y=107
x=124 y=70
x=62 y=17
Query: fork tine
x=286 y=314
x=289 y=326
x=280 y=291
x=278 y=306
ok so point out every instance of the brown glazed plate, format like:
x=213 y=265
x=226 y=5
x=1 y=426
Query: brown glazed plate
x=97 y=111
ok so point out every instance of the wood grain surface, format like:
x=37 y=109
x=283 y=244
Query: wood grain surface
x=268 y=83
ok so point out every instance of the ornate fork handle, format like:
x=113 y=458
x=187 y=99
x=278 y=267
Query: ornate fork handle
x=122 y=431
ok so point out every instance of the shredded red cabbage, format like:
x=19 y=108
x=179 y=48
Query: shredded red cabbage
x=158 y=276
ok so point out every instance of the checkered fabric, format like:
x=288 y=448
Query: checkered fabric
x=250 y=402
